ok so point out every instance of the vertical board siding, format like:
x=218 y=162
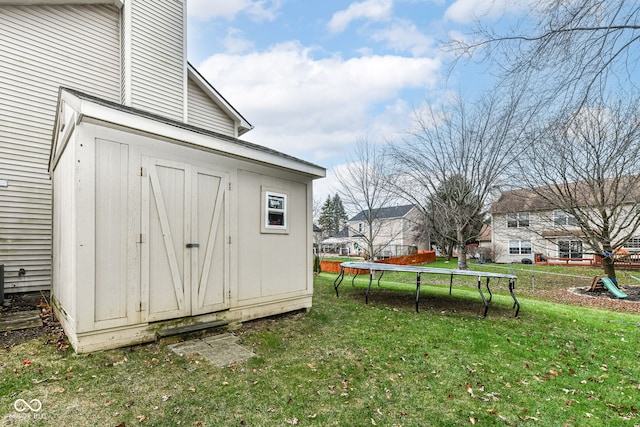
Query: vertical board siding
x=157 y=58
x=111 y=189
x=41 y=49
x=64 y=268
x=205 y=113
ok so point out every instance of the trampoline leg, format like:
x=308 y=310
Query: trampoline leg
x=417 y=291
x=484 y=300
x=516 y=304
x=489 y=290
x=380 y=277
x=366 y=295
x=450 y=284
x=338 y=280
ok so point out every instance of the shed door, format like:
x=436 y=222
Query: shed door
x=184 y=223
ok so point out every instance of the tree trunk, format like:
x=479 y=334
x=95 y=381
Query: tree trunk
x=462 y=251
x=449 y=250
x=609 y=267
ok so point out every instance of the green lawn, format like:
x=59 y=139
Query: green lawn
x=345 y=363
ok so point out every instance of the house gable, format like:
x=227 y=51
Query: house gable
x=208 y=109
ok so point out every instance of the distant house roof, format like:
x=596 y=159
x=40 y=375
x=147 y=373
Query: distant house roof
x=523 y=200
x=316 y=229
x=485 y=233
x=385 y=213
x=528 y=200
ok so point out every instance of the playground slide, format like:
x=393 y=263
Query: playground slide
x=611 y=287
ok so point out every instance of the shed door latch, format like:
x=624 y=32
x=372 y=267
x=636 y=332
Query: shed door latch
x=193 y=245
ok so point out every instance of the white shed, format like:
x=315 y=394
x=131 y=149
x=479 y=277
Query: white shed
x=158 y=224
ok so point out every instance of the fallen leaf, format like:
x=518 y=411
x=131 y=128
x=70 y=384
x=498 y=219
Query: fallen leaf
x=141 y=418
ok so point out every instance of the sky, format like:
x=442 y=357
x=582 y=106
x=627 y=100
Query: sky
x=315 y=76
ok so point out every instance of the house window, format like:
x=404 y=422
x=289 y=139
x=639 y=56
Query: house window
x=520 y=219
x=519 y=247
x=563 y=219
x=633 y=243
x=570 y=249
x=360 y=227
x=275 y=214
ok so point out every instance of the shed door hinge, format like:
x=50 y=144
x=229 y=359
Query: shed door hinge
x=143 y=171
x=229 y=185
x=141 y=238
x=229 y=239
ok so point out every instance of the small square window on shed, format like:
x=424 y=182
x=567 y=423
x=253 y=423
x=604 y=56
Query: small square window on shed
x=275 y=215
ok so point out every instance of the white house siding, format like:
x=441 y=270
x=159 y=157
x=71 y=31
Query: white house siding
x=41 y=49
x=538 y=222
x=157 y=57
x=205 y=113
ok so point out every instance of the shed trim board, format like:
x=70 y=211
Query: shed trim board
x=90 y=108
x=153 y=232
x=116 y=3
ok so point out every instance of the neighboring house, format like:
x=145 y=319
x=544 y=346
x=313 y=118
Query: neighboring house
x=394 y=231
x=161 y=215
x=340 y=244
x=525 y=226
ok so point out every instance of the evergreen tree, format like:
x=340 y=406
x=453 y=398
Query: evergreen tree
x=339 y=214
x=332 y=216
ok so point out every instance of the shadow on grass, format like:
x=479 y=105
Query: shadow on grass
x=465 y=303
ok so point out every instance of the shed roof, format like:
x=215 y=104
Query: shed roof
x=90 y=107
x=384 y=213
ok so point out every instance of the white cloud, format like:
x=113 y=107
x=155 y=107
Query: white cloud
x=235 y=42
x=300 y=104
x=374 y=10
x=259 y=10
x=466 y=11
x=404 y=36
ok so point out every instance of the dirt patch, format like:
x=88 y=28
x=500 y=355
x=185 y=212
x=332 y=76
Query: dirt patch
x=601 y=298
x=27 y=302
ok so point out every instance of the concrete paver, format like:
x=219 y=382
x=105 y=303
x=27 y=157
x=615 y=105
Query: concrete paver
x=220 y=350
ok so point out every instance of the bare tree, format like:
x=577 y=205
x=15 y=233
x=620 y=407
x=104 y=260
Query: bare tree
x=566 y=51
x=363 y=183
x=463 y=149
x=586 y=164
